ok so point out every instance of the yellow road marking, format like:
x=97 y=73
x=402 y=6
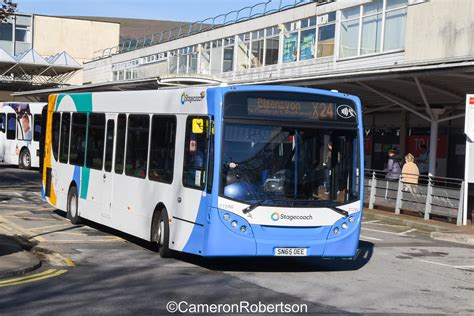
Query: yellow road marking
x=50 y=226
x=115 y=239
x=32 y=218
x=21 y=229
x=47 y=276
x=68 y=261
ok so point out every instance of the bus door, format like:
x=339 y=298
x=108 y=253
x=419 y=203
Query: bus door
x=3 y=123
x=197 y=174
x=107 y=177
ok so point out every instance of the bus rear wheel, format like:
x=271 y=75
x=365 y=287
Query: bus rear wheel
x=161 y=233
x=72 y=206
x=25 y=159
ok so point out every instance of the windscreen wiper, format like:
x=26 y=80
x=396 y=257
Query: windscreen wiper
x=338 y=210
x=251 y=207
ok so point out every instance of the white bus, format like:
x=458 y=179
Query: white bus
x=212 y=171
x=20 y=130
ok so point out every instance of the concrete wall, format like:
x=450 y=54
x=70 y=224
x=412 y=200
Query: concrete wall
x=80 y=38
x=440 y=29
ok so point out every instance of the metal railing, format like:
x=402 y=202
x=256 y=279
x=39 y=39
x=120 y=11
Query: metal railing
x=247 y=13
x=438 y=196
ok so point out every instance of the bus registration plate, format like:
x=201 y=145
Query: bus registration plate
x=291 y=252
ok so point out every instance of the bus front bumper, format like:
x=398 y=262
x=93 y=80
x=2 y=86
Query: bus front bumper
x=234 y=236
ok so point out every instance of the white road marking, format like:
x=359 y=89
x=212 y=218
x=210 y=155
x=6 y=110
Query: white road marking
x=370 y=238
x=447 y=265
x=408 y=231
x=383 y=232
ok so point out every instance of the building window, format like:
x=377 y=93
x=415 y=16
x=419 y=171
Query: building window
x=326 y=34
x=216 y=57
x=228 y=63
x=22 y=33
x=395 y=25
x=290 y=42
x=257 y=48
x=205 y=60
x=370 y=21
x=6 y=32
x=163 y=137
x=272 y=45
x=308 y=38
x=137 y=145
x=243 y=51
x=349 y=32
x=173 y=62
x=182 y=61
x=192 y=60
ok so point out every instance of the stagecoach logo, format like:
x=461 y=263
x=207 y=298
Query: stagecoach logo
x=277 y=216
x=344 y=111
x=192 y=98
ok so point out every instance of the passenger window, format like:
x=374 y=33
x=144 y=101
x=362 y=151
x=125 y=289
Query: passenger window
x=78 y=139
x=64 y=143
x=55 y=134
x=11 y=126
x=2 y=122
x=24 y=130
x=195 y=152
x=120 y=146
x=37 y=127
x=163 y=137
x=137 y=145
x=109 y=145
x=95 y=141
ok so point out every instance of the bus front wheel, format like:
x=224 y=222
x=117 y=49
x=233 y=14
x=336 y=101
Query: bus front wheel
x=72 y=206
x=25 y=159
x=161 y=233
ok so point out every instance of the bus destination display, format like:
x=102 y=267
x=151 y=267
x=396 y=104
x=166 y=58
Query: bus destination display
x=314 y=111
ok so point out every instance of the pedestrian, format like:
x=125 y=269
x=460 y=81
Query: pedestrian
x=393 y=168
x=410 y=172
x=423 y=160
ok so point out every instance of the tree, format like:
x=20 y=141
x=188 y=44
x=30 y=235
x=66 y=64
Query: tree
x=8 y=8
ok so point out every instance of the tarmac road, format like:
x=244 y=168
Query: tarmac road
x=95 y=270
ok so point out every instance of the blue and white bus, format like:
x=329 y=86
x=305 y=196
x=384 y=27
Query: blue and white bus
x=212 y=171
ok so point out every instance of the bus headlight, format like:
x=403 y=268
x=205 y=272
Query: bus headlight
x=234 y=224
x=351 y=219
x=336 y=230
x=226 y=216
x=243 y=229
x=344 y=225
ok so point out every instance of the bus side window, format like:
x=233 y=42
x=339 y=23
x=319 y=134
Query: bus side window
x=137 y=145
x=78 y=139
x=163 y=138
x=195 y=152
x=2 y=122
x=120 y=145
x=11 y=126
x=64 y=142
x=95 y=141
x=109 y=145
x=55 y=134
x=37 y=127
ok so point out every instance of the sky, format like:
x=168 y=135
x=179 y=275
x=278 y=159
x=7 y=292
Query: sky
x=175 y=10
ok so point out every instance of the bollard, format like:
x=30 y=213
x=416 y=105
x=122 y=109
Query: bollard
x=398 y=204
x=429 y=198
x=461 y=204
x=372 y=191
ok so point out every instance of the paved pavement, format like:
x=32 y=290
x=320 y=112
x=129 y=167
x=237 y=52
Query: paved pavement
x=91 y=269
